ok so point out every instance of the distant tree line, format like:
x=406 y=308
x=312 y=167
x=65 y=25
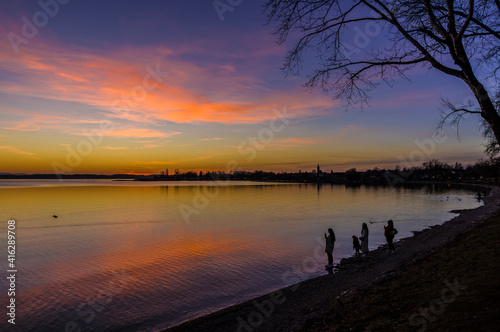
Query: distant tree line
x=485 y=171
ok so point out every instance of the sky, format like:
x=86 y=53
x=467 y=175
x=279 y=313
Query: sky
x=122 y=86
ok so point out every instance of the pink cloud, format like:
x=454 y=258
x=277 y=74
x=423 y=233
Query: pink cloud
x=300 y=141
x=139 y=133
x=134 y=133
x=113 y=148
x=23 y=126
x=113 y=80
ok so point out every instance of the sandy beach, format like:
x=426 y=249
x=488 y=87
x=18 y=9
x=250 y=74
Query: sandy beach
x=415 y=288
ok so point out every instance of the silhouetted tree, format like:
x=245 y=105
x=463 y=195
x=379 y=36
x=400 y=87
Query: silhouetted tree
x=492 y=145
x=454 y=37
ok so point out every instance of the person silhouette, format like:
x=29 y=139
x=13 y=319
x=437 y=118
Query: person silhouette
x=364 y=238
x=389 y=232
x=355 y=245
x=330 y=242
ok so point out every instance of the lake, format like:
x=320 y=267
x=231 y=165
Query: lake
x=140 y=256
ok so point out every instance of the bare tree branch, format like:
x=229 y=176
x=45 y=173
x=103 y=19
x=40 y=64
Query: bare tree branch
x=455 y=37
x=467 y=20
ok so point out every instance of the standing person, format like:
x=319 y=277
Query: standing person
x=330 y=242
x=364 y=239
x=355 y=245
x=389 y=232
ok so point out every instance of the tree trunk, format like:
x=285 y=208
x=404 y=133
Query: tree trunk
x=488 y=110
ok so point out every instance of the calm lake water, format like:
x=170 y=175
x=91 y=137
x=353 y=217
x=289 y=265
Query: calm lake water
x=122 y=256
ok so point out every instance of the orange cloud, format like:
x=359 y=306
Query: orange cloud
x=133 y=84
x=113 y=147
x=23 y=126
x=16 y=150
x=210 y=139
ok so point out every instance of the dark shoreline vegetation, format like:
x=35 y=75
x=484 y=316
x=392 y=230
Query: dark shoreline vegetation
x=432 y=171
x=444 y=278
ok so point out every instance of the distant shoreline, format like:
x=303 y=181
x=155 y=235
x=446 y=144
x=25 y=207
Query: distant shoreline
x=295 y=306
x=433 y=171
x=149 y=178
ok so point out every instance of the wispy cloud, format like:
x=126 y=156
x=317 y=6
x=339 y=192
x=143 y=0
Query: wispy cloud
x=16 y=150
x=113 y=81
x=295 y=141
x=142 y=133
x=210 y=139
x=20 y=126
x=113 y=147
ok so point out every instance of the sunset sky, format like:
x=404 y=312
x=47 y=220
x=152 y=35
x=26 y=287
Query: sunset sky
x=122 y=86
